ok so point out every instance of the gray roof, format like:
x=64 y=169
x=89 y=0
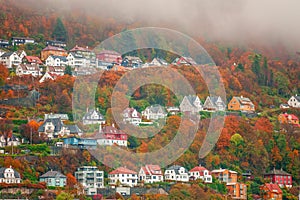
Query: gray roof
x=2 y=169
x=297 y=97
x=277 y=172
x=176 y=168
x=55 y=121
x=74 y=129
x=53 y=174
x=7 y=54
x=156 y=108
x=63 y=58
x=90 y=112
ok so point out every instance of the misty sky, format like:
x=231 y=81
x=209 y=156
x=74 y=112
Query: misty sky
x=266 y=21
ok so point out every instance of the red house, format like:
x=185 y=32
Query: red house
x=280 y=177
x=109 y=57
x=109 y=135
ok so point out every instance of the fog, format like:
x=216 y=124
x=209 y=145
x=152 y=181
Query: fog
x=269 y=22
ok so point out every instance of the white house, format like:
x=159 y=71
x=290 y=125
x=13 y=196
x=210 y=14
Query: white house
x=191 y=103
x=21 y=41
x=200 y=172
x=132 y=116
x=54 y=127
x=123 y=176
x=10 y=59
x=176 y=173
x=158 y=62
x=154 y=112
x=9 y=175
x=9 y=141
x=294 y=101
x=91 y=178
x=55 y=61
x=58 y=70
x=151 y=174
x=76 y=60
x=213 y=103
x=28 y=69
x=93 y=116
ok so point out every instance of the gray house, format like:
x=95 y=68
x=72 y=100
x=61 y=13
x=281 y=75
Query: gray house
x=214 y=103
x=191 y=103
x=54 y=178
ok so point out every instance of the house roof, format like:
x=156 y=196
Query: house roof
x=77 y=55
x=78 y=48
x=156 y=108
x=55 y=121
x=74 y=129
x=90 y=113
x=176 y=168
x=290 y=116
x=273 y=188
x=33 y=59
x=109 y=52
x=2 y=170
x=53 y=174
x=62 y=58
x=30 y=67
x=111 y=130
x=244 y=101
x=160 y=61
x=53 y=48
x=152 y=170
x=198 y=169
x=188 y=60
x=7 y=54
x=122 y=170
x=277 y=172
x=222 y=170
x=192 y=99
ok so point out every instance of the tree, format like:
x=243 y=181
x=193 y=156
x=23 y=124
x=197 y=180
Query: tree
x=60 y=32
x=71 y=181
x=68 y=70
x=64 y=196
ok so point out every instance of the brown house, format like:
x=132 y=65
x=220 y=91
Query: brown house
x=241 y=104
x=237 y=190
x=51 y=50
x=271 y=191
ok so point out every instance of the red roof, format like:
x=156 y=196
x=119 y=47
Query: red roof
x=273 y=188
x=152 y=170
x=122 y=170
x=33 y=59
x=198 y=169
x=77 y=48
x=290 y=116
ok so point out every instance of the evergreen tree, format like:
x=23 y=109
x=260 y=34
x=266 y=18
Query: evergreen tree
x=266 y=71
x=68 y=70
x=241 y=67
x=60 y=32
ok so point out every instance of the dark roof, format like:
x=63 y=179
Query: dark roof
x=74 y=129
x=55 y=121
x=277 y=172
x=297 y=97
x=63 y=58
x=7 y=54
x=53 y=174
x=176 y=168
